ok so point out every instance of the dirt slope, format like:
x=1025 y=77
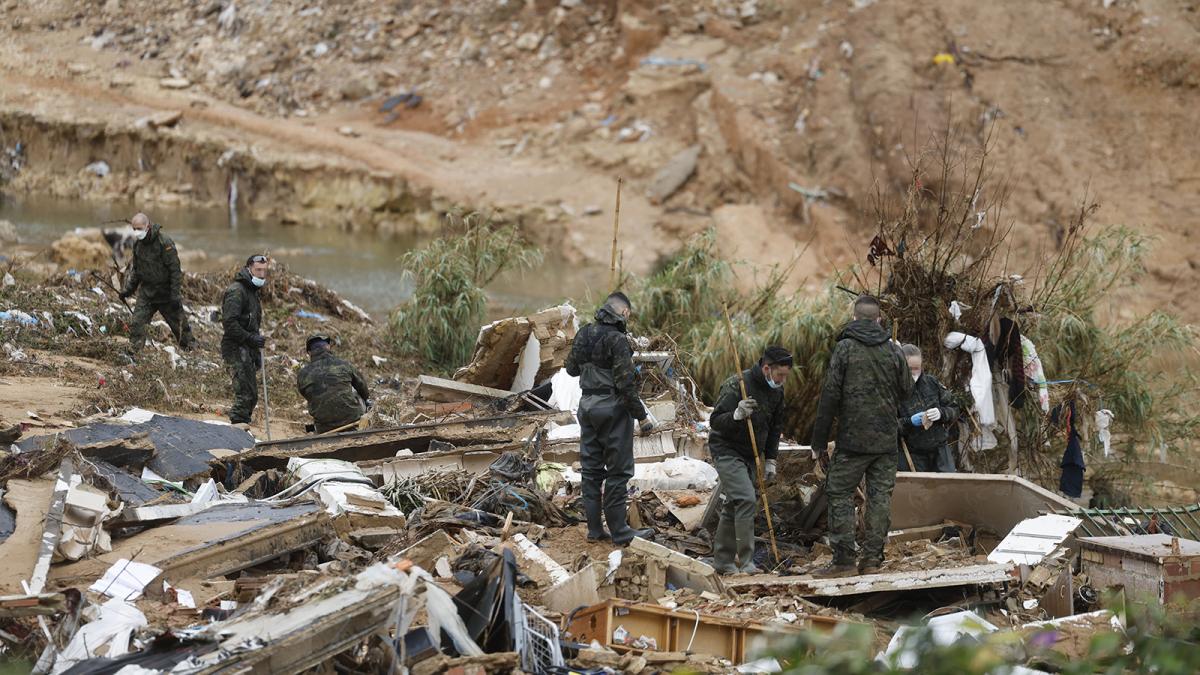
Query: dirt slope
x=536 y=107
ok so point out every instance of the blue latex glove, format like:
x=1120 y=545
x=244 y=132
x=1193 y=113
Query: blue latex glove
x=916 y=419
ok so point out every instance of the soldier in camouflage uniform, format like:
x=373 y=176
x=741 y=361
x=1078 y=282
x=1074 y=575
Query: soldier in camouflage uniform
x=156 y=278
x=241 y=342
x=603 y=360
x=733 y=454
x=866 y=382
x=337 y=395
x=925 y=419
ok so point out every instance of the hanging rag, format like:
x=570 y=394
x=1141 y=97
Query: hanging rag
x=1006 y=420
x=981 y=376
x=1034 y=373
x=1071 y=482
x=1005 y=354
x=956 y=310
x=1104 y=418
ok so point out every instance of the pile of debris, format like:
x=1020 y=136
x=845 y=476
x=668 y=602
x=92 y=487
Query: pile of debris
x=453 y=541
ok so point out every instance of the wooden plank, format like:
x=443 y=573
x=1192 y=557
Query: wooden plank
x=32 y=605
x=442 y=390
x=971 y=575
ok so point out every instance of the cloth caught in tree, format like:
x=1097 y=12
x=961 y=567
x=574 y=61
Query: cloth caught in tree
x=1071 y=481
x=981 y=375
x=1034 y=373
x=1006 y=355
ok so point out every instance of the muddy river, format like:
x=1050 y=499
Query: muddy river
x=364 y=267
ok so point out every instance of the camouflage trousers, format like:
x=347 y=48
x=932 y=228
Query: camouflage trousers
x=242 y=367
x=144 y=313
x=846 y=470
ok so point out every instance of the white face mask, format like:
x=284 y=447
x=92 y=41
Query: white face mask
x=916 y=376
x=257 y=281
x=140 y=234
x=771 y=384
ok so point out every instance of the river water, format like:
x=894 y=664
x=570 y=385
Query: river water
x=363 y=267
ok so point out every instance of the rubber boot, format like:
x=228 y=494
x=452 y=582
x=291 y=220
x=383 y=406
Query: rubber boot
x=622 y=533
x=744 y=531
x=725 y=547
x=595 y=520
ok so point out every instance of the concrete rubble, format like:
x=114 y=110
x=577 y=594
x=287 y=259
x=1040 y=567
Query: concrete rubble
x=454 y=544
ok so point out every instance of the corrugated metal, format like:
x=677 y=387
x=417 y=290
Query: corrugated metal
x=1183 y=521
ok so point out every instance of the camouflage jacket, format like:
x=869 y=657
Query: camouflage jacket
x=927 y=393
x=333 y=388
x=866 y=382
x=241 y=315
x=602 y=359
x=155 y=272
x=731 y=437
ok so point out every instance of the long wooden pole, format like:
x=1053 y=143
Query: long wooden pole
x=612 y=267
x=758 y=470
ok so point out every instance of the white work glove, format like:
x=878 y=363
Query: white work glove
x=769 y=471
x=646 y=426
x=745 y=409
x=933 y=414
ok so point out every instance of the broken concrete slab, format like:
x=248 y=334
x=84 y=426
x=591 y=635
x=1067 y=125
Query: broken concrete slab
x=972 y=575
x=534 y=347
x=578 y=590
x=183 y=448
x=548 y=568
x=375 y=538
x=679 y=570
x=425 y=552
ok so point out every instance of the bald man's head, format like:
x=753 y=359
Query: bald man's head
x=140 y=221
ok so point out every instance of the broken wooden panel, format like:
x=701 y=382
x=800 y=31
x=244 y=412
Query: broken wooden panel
x=376 y=444
x=278 y=531
x=53 y=527
x=677 y=630
x=224 y=538
x=42 y=604
x=475 y=458
x=972 y=575
x=442 y=390
x=993 y=501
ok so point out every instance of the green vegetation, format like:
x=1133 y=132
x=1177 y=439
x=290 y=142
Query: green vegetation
x=439 y=324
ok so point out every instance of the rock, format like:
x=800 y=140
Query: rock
x=673 y=175
x=78 y=68
x=529 y=41
x=120 y=81
x=358 y=88
x=348 y=131
x=158 y=120
x=8 y=232
x=77 y=252
x=174 y=83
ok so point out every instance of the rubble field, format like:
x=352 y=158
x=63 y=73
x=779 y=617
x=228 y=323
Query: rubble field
x=140 y=532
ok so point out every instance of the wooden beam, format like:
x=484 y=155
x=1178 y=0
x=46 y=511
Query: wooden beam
x=442 y=390
x=53 y=529
x=875 y=583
